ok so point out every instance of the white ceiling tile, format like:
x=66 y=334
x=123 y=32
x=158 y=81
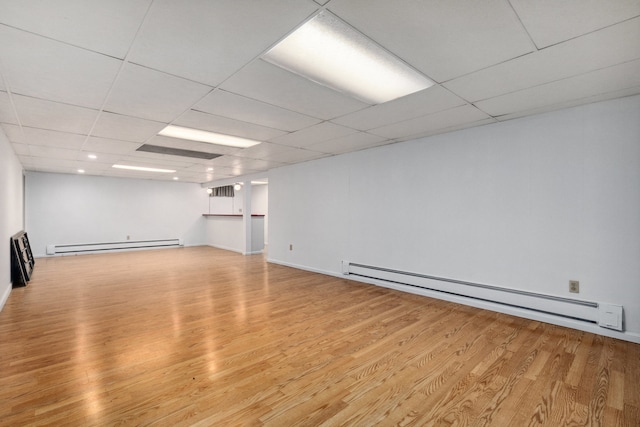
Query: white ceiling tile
x=433 y=122
x=102 y=160
x=428 y=101
x=273 y=85
x=162 y=160
x=159 y=160
x=599 y=49
x=226 y=161
x=122 y=173
x=92 y=166
x=52 y=138
x=47 y=69
x=110 y=146
x=71 y=51
x=346 y=144
x=313 y=134
x=233 y=163
x=21 y=149
x=204 y=121
x=149 y=94
x=26 y=160
x=207 y=41
x=443 y=39
x=218 y=171
x=126 y=128
x=551 y=21
x=7 y=115
x=202 y=168
x=249 y=110
x=260 y=165
x=573 y=103
x=231 y=166
x=14 y=133
x=184 y=144
x=610 y=79
x=56 y=164
x=52 y=152
x=204 y=175
x=42 y=114
x=106 y=26
x=440 y=130
x=295 y=155
x=262 y=150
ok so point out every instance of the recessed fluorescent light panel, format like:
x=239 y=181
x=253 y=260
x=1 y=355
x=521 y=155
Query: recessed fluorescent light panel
x=204 y=136
x=328 y=51
x=142 y=169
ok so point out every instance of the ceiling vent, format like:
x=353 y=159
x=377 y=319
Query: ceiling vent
x=177 y=152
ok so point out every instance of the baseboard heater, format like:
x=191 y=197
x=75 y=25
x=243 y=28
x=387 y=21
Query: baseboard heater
x=606 y=315
x=112 y=246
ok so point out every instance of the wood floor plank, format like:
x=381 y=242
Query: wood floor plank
x=202 y=336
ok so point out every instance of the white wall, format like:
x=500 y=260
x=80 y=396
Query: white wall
x=227 y=232
x=260 y=206
x=11 y=210
x=64 y=208
x=234 y=205
x=527 y=204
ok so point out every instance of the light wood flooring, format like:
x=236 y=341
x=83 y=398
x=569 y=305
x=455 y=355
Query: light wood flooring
x=201 y=336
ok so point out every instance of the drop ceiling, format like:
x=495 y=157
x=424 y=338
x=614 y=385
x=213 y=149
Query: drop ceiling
x=104 y=77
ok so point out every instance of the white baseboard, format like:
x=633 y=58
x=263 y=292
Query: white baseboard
x=514 y=311
x=5 y=296
x=304 y=267
x=226 y=248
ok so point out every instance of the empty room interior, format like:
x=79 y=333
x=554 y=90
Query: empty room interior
x=320 y=212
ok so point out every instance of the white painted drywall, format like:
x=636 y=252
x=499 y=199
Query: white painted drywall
x=227 y=232
x=235 y=205
x=526 y=204
x=63 y=208
x=260 y=206
x=11 y=210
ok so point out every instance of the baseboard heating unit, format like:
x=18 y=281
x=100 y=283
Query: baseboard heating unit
x=605 y=315
x=112 y=246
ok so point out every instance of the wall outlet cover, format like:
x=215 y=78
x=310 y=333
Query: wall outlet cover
x=574 y=286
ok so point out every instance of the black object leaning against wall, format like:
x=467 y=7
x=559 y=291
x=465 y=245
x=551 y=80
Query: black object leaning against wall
x=22 y=261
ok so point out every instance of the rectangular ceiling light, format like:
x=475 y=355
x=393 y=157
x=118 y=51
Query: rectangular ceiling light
x=328 y=51
x=205 y=136
x=142 y=168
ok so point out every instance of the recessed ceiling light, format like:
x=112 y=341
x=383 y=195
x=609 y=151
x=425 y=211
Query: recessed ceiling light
x=209 y=169
x=328 y=51
x=80 y=170
x=175 y=178
x=92 y=156
x=143 y=169
x=205 y=136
